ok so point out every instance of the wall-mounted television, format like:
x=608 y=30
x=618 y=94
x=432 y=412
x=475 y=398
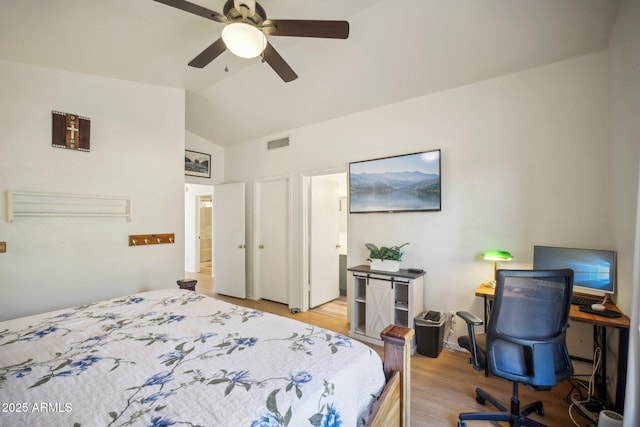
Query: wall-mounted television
x=594 y=270
x=405 y=183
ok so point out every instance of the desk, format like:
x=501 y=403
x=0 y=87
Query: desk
x=600 y=323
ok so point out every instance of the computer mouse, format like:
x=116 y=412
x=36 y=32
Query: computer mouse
x=597 y=307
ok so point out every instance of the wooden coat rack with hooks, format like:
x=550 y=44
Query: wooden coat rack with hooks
x=151 y=239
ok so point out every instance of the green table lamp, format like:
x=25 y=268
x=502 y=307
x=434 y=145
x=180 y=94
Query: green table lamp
x=496 y=256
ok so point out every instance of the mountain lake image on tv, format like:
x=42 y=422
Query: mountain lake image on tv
x=405 y=183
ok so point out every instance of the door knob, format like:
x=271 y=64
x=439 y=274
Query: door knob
x=338 y=246
x=261 y=247
x=241 y=246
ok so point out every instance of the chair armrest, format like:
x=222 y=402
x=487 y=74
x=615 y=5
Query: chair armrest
x=472 y=321
x=469 y=318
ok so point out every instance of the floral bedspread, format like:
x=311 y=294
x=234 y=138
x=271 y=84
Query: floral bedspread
x=175 y=357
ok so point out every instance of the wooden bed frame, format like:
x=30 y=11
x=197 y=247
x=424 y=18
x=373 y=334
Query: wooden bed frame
x=392 y=408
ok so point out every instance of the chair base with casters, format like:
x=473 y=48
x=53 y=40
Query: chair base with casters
x=476 y=343
x=516 y=416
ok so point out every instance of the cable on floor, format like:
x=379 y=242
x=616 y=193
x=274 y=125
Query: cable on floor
x=579 y=398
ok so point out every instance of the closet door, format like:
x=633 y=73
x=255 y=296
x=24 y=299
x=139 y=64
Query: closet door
x=272 y=239
x=379 y=306
x=229 y=240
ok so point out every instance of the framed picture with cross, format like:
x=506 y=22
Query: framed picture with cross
x=71 y=131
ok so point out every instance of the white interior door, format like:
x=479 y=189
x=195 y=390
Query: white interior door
x=324 y=280
x=229 y=240
x=272 y=239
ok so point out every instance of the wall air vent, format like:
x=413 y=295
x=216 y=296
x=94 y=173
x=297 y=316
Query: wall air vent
x=278 y=143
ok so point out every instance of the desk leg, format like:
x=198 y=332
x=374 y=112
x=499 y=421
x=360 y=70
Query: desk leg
x=600 y=340
x=486 y=312
x=621 y=383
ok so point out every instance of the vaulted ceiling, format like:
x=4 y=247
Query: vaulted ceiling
x=396 y=50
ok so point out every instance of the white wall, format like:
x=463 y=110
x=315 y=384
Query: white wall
x=524 y=161
x=137 y=150
x=624 y=81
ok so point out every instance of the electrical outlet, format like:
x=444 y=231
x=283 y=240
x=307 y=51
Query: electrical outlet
x=452 y=316
x=3 y=247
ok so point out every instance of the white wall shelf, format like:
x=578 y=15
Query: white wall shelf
x=32 y=204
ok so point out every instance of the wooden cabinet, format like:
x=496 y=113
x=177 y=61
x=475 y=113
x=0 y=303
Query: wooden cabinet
x=380 y=298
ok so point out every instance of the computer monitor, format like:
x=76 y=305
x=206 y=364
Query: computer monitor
x=594 y=269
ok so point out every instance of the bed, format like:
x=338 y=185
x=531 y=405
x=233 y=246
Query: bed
x=176 y=357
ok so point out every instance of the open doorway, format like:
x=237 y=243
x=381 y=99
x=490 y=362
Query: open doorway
x=198 y=218
x=205 y=222
x=325 y=248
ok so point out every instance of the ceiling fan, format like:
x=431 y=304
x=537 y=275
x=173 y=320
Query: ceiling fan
x=247 y=27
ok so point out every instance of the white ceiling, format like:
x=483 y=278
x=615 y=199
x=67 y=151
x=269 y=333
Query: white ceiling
x=396 y=50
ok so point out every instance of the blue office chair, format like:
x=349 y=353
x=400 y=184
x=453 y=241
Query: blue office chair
x=525 y=339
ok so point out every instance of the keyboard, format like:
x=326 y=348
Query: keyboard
x=605 y=313
x=579 y=300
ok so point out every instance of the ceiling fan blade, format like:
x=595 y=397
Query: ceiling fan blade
x=195 y=9
x=306 y=28
x=209 y=54
x=273 y=58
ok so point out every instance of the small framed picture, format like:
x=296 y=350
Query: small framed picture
x=197 y=164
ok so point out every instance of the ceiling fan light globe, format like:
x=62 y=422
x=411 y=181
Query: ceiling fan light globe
x=244 y=40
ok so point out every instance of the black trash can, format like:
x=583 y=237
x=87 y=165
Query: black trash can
x=429 y=334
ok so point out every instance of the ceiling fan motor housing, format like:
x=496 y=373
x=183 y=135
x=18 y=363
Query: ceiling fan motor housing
x=235 y=15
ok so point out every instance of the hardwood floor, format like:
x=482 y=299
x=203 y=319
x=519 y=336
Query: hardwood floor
x=441 y=387
x=337 y=308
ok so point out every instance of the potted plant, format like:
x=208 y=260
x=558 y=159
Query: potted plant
x=385 y=258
